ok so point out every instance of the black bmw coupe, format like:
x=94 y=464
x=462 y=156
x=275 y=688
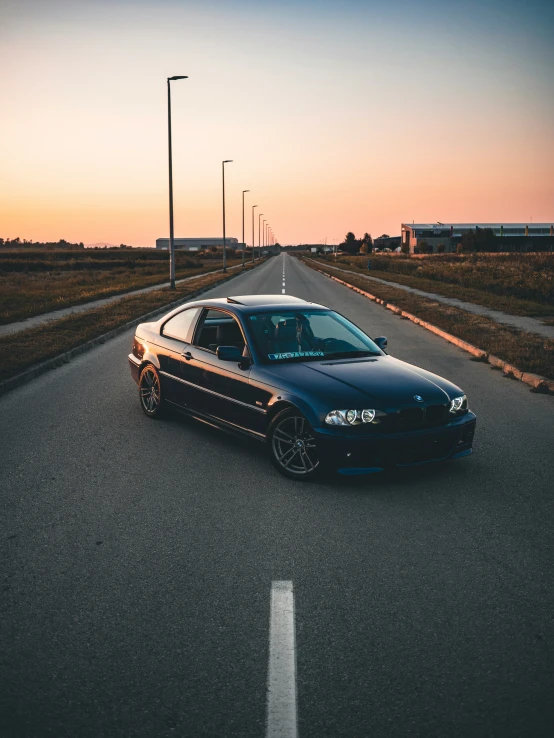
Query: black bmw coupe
x=302 y=378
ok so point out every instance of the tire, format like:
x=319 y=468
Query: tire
x=150 y=392
x=289 y=430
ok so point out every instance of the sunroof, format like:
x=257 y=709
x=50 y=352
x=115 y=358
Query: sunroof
x=263 y=299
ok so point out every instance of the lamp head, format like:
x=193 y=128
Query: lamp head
x=227 y=161
x=177 y=77
x=245 y=191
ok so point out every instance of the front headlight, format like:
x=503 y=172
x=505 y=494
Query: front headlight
x=458 y=405
x=349 y=417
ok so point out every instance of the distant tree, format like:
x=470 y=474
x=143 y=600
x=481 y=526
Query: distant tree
x=424 y=247
x=367 y=244
x=480 y=239
x=351 y=244
x=385 y=235
x=441 y=248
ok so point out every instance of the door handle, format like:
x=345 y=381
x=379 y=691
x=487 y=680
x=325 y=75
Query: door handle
x=187 y=355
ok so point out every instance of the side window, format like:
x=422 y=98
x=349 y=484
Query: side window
x=218 y=328
x=179 y=326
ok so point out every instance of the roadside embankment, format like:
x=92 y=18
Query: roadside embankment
x=521 y=355
x=32 y=352
x=517 y=284
x=36 y=321
x=35 y=283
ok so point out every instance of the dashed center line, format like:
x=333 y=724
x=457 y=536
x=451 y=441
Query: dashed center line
x=283 y=290
x=282 y=721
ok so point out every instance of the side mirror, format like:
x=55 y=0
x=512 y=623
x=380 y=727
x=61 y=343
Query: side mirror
x=381 y=341
x=229 y=353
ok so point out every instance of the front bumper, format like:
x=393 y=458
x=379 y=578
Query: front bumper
x=375 y=452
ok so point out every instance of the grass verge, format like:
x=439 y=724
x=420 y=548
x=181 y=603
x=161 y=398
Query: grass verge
x=23 y=350
x=527 y=351
x=24 y=295
x=505 y=303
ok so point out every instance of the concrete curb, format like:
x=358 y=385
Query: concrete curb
x=535 y=381
x=45 y=366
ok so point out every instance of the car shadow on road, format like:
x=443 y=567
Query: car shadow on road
x=405 y=478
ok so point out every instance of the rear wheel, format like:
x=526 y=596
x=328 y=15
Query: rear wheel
x=292 y=446
x=150 y=392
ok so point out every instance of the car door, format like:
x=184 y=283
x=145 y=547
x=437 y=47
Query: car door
x=221 y=389
x=175 y=334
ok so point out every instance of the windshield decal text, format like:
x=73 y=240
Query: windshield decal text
x=294 y=355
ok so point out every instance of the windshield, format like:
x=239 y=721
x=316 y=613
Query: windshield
x=308 y=335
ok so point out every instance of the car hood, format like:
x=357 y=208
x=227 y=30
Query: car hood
x=384 y=380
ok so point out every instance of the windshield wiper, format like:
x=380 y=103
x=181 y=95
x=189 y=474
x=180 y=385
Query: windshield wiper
x=350 y=354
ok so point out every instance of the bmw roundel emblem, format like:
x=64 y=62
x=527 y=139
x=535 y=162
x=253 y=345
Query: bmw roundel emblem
x=418 y=398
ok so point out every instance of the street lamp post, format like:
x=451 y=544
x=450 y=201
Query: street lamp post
x=171 y=233
x=263 y=234
x=259 y=231
x=243 y=243
x=253 y=206
x=227 y=161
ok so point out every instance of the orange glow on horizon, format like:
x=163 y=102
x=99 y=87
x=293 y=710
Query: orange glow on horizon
x=326 y=142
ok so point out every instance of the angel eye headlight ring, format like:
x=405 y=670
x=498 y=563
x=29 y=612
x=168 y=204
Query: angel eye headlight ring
x=458 y=405
x=350 y=417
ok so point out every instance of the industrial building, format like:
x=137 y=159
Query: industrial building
x=197 y=244
x=435 y=234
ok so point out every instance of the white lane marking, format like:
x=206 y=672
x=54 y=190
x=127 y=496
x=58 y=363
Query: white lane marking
x=282 y=292
x=281 y=681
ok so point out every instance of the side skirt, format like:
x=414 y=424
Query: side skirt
x=218 y=423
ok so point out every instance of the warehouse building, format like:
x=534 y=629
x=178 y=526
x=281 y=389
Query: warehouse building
x=448 y=234
x=197 y=244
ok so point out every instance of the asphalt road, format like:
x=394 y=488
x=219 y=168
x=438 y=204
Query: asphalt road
x=138 y=558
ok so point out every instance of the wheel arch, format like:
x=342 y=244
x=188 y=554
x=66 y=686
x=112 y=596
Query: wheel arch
x=277 y=407
x=149 y=358
x=297 y=403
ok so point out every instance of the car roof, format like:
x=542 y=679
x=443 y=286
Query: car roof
x=250 y=303
x=243 y=304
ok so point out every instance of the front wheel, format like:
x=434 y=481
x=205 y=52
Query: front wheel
x=150 y=392
x=292 y=446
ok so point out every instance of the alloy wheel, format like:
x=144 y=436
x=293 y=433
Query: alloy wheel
x=294 y=446
x=149 y=389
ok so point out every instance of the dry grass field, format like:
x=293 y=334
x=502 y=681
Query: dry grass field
x=520 y=284
x=36 y=282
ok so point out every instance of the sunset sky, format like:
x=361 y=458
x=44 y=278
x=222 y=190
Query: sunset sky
x=353 y=115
